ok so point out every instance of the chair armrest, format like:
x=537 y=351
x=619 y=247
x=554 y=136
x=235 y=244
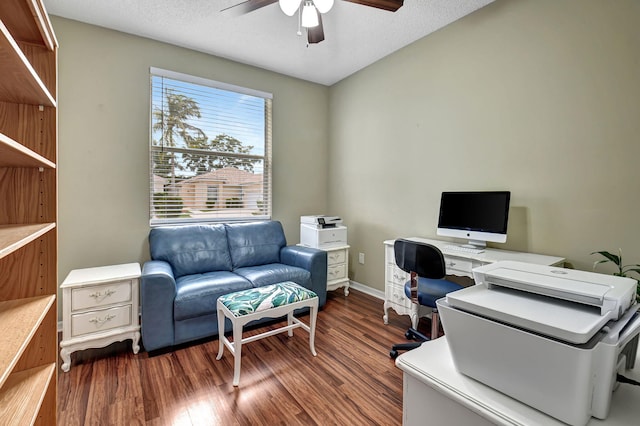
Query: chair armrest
x=157 y=293
x=314 y=261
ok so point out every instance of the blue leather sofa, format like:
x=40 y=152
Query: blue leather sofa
x=192 y=265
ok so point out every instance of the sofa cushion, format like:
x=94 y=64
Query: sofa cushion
x=273 y=273
x=191 y=249
x=255 y=243
x=197 y=294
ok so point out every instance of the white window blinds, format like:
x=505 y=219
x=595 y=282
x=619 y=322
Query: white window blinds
x=210 y=150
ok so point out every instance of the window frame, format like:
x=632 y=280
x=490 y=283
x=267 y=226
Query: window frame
x=266 y=194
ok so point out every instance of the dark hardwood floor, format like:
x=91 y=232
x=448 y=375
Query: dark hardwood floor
x=351 y=381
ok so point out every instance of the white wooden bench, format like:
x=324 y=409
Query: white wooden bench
x=271 y=301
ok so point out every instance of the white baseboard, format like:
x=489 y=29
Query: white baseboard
x=366 y=289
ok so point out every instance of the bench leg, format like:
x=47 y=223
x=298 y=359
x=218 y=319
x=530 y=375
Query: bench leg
x=220 y=334
x=237 y=352
x=289 y=322
x=313 y=313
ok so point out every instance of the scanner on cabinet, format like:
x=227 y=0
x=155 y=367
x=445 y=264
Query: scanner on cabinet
x=549 y=337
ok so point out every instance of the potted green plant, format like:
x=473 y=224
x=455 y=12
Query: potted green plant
x=623 y=270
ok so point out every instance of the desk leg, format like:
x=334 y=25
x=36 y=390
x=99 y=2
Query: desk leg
x=385 y=316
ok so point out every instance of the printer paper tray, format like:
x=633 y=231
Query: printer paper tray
x=571 y=322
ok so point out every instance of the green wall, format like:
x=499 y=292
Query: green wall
x=538 y=97
x=104 y=140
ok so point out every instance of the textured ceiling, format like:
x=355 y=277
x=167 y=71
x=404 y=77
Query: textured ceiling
x=355 y=35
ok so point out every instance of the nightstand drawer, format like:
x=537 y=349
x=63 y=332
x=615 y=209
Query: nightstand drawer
x=336 y=256
x=100 y=295
x=336 y=272
x=102 y=320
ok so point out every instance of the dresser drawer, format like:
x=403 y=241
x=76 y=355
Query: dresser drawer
x=395 y=294
x=101 y=320
x=336 y=272
x=458 y=266
x=100 y=295
x=397 y=276
x=336 y=256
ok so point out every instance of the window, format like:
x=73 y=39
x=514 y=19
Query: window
x=210 y=150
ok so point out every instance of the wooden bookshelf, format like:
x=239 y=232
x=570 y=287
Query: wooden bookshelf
x=13 y=237
x=21 y=318
x=20 y=83
x=23 y=395
x=13 y=154
x=28 y=214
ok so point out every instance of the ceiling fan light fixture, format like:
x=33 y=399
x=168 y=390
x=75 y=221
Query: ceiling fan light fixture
x=323 y=6
x=309 y=15
x=289 y=7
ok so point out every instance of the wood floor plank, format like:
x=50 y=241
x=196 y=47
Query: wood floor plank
x=352 y=380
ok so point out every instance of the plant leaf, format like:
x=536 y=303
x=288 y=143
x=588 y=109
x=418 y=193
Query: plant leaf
x=610 y=257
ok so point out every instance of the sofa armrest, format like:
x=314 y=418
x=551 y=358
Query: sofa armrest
x=157 y=293
x=314 y=261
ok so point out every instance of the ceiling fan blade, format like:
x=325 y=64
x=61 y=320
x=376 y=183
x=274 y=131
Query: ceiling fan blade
x=316 y=34
x=390 y=5
x=247 y=6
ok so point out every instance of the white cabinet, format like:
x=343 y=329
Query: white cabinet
x=338 y=268
x=457 y=263
x=99 y=307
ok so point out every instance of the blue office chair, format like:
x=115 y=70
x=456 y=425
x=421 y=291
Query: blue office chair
x=426 y=266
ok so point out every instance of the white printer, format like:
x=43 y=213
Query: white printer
x=550 y=337
x=322 y=231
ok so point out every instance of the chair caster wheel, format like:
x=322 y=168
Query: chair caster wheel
x=393 y=354
x=408 y=335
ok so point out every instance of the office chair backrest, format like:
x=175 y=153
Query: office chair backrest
x=423 y=259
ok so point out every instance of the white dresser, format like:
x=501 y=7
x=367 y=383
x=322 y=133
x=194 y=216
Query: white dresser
x=457 y=263
x=338 y=268
x=99 y=307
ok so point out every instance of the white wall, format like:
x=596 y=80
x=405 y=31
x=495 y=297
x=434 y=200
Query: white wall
x=104 y=138
x=538 y=97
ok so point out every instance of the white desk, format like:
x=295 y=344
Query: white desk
x=435 y=393
x=457 y=263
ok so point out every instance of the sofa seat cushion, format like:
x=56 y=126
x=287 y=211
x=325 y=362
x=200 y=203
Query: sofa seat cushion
x=275 y=273
x=197 y=294
x=191 y=249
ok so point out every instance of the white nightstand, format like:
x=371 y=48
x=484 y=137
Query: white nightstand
x=338 y=268
x=99 y=307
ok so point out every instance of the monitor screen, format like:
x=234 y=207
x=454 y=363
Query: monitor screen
x=478 y=216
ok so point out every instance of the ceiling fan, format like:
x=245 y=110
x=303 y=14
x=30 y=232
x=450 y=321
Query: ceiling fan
x=311 y=11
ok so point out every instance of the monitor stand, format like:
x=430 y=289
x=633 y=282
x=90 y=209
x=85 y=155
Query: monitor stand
x=475 y=244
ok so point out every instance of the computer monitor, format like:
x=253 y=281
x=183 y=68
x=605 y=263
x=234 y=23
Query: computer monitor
x=477 y=216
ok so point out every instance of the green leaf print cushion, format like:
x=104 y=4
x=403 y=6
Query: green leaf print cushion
x=263 y=298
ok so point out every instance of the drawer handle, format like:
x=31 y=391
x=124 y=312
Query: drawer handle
x=100 y=295
x=452 y=264
x=100 y=321
x=333 y=257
